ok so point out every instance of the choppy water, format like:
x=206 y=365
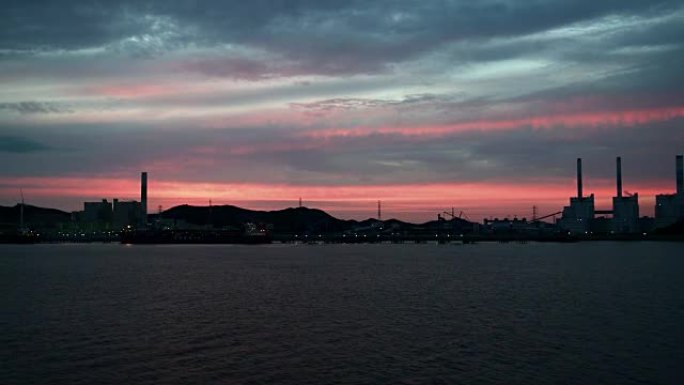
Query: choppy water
x=581 y=313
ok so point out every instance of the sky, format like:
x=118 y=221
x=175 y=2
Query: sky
x=425 y=105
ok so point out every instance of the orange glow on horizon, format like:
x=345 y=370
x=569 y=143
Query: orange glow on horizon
x=413 y=200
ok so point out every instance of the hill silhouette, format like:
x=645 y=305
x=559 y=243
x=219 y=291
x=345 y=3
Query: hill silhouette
x=297 y=220
x=288 y=220
x=34 y=216
x=300 y=220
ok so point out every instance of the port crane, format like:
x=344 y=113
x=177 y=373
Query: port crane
x=461 y=215
x=547 y=216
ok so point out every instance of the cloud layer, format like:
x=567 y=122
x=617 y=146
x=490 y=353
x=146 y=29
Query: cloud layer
x=366 y=95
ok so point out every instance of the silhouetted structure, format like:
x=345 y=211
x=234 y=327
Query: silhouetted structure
x=670 y=207
x=97 y=213
x=126 y=213
x=105 y=221
x=577 y=217
x=143 y=198
x=625 y=208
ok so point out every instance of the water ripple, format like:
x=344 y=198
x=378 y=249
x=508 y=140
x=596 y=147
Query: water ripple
x=364 y=314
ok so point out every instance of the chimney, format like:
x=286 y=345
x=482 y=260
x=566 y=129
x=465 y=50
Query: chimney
x=579 y=177
x=618 y=170
x=680 y=175
x=143 y=196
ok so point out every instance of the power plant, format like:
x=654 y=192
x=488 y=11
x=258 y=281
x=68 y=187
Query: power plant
x=625 y=208
x=116 y=214
x=670 y=207
x=580 y=216
x=580 y=219
x=121 y=220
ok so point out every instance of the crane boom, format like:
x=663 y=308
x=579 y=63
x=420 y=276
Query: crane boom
x=460 y=215
x=547 y=216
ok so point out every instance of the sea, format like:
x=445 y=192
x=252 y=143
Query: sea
x=488 y=313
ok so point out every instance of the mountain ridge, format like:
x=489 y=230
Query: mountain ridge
x=287 y=220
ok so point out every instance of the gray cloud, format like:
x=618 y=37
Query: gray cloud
x=233 y=67
x=70 y=24
x=18 y=145
x=314 y=37
x=344 y=104
x=604 y=55
x=33 y=107
x=364 y=37
x=520 y=156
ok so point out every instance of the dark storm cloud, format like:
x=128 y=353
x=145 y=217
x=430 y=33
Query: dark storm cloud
x=19 y=145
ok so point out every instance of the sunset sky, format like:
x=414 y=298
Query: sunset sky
x=426 y=105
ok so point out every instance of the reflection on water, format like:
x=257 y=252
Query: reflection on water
x=487 y=313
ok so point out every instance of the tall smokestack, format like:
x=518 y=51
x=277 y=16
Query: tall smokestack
x=143 y=196
x=618 y=170
x=680 y=175
x=579 y=177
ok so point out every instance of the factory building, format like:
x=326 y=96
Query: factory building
x=97 y=212
x=577 y=217
x=507 y=225
x=670 y=207
x=625 y=208
x=126 y=213
x=118 y=213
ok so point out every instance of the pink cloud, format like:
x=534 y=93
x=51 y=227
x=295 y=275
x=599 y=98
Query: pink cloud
x=593 y=119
